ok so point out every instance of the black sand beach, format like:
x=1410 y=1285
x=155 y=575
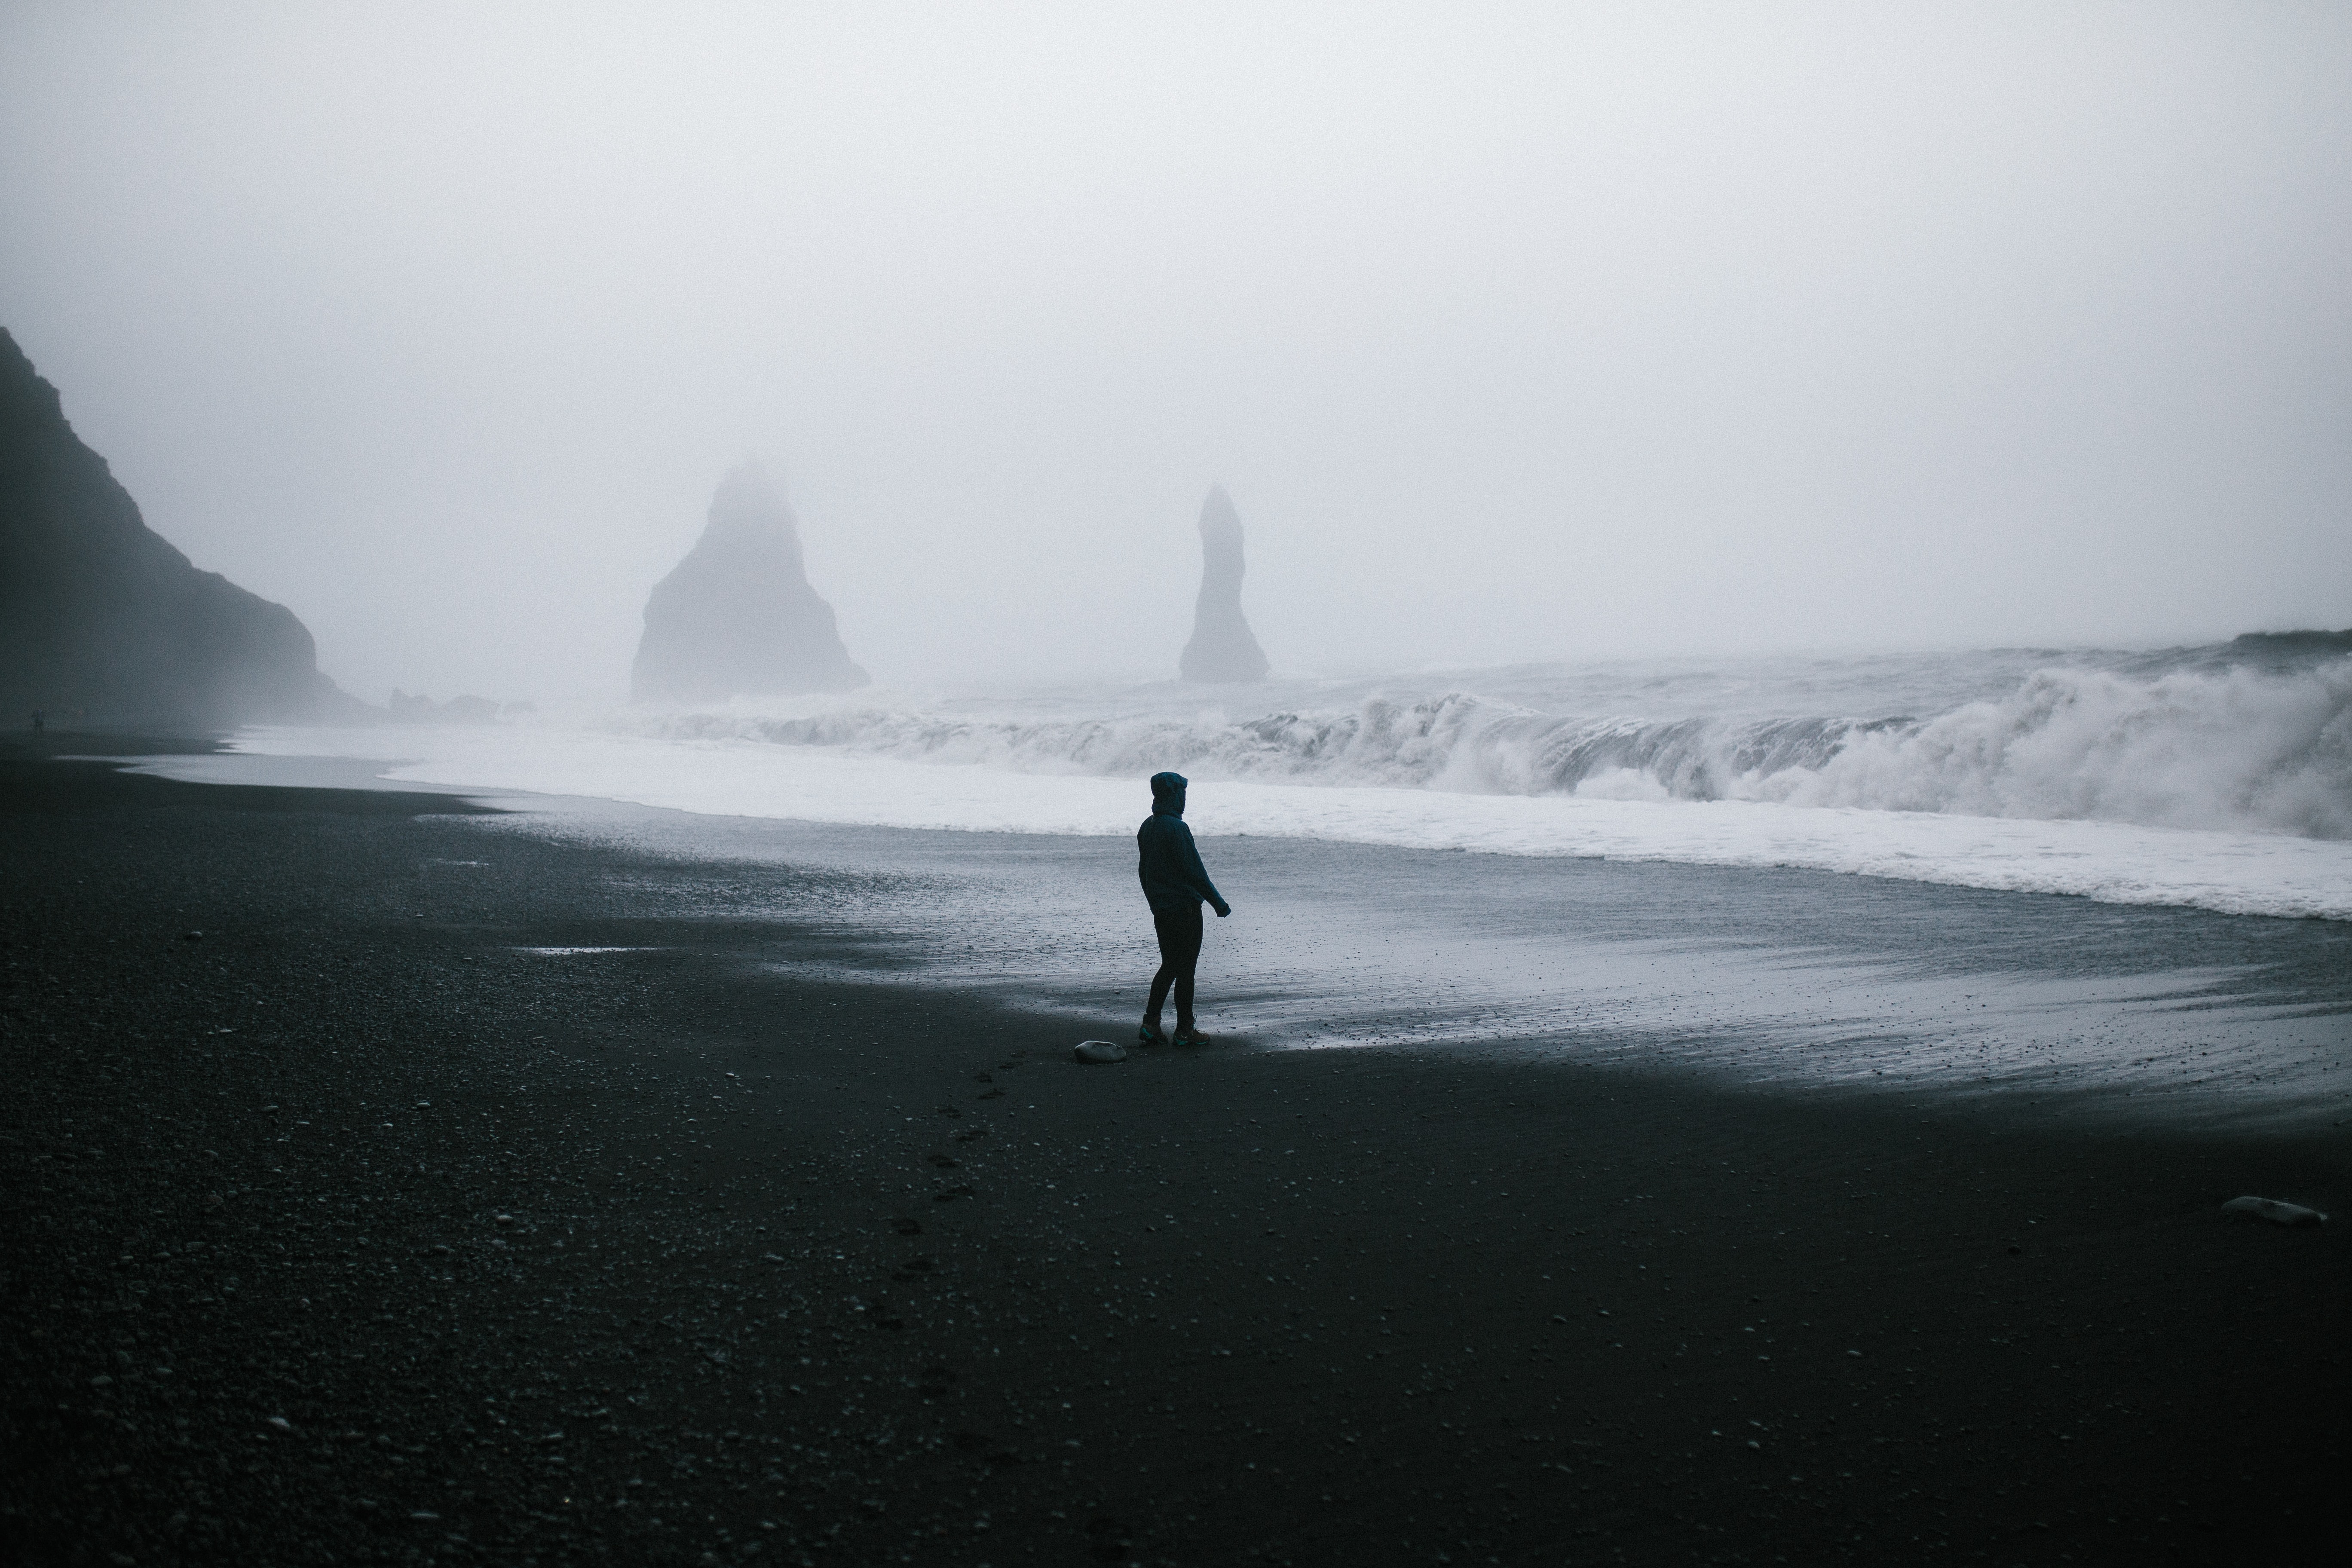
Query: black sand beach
x=347 y=1230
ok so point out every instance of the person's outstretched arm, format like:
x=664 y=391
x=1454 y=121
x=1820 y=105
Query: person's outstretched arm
x=1198 y=875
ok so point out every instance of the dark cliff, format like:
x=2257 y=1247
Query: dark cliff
x=2305 y=642
x=102 y=620
x=1223 y=649
x=738 y=617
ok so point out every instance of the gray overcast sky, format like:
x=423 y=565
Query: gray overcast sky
x=1515 y=331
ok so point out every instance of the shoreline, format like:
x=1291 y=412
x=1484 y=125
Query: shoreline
x=2223 y=871
x=1489 y=1307
x=1805 y=979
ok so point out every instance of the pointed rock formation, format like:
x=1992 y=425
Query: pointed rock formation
x=1222 y=648
x=102 y=620
x=738 y=617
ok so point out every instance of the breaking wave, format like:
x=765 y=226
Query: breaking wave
x=2205 y=744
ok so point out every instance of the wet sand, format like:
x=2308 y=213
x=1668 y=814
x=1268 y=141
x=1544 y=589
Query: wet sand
x=351 y=1229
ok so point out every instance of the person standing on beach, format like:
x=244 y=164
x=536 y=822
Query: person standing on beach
x=1175 y=883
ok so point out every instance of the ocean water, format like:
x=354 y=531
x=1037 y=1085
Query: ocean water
x=1781 y=980
x=2066 y=877
x=2216 y=778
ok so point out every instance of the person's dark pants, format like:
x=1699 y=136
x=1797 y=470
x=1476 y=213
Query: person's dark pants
x=1179 y=952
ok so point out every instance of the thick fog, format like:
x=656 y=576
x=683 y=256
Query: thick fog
x=1514 y=332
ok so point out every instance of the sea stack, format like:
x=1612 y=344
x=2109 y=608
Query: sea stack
x=102 y=620
x=1222 y=649
x=738 y=617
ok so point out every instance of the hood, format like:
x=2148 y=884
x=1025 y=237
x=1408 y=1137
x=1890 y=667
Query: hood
x=1168 y=794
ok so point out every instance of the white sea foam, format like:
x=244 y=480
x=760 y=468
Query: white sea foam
x=2236 y=748
x=2203 y=744
x=579 y=952
x=2232 y=871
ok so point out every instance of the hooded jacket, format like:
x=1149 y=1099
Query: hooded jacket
x=1170 y=867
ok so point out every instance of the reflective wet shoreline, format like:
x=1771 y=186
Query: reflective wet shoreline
x=1783 y=979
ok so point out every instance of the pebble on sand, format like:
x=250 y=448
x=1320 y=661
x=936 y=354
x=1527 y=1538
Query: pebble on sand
x=2274 y=1211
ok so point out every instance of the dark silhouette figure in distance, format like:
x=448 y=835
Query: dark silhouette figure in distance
x=1174 y=883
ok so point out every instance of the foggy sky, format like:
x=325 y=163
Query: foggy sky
x=1515 y=333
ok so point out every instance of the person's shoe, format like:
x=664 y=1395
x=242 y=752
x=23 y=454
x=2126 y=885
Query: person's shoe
x=1150 y=1034
x=1189 y=1037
